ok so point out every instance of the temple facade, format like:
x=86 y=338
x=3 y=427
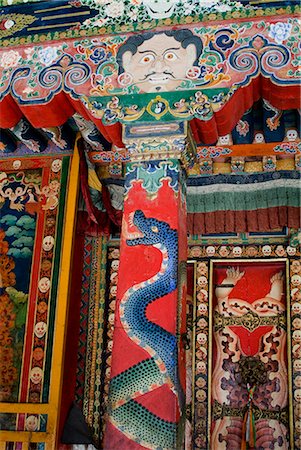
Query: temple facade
x=150 y=273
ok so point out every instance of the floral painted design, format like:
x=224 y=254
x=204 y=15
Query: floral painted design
x=280 y=31
x=10 y=59
x=48 y=55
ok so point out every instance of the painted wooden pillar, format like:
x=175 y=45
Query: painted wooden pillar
x=148 y=366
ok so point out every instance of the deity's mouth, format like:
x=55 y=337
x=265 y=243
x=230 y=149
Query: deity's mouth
x=159 y=79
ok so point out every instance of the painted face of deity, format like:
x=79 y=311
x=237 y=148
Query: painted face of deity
x=159 y=64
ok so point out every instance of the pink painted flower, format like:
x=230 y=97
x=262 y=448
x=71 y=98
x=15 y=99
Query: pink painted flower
x=9 y=59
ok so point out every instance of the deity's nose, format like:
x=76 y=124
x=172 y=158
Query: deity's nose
x=159 y=65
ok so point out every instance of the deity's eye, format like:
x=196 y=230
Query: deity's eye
x=146 y=59
x=155 y=229
x=170 y=56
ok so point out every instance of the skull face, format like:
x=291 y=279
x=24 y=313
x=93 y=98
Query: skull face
x=202 y=295
x=296 y=294
x=291 y=135
x=48 y=243
x=225 y=140
x=202 y=269
x=297 y=395
x=114 y=278
x=201 y=367
x=296 y=266
x=258 y=138
x=297 y=365
x=160 y=9
x=298 y=425
x=195 y=252
x=200 y=382
x=202 y=281
x=210 y=251
x=111 y=319
x=115 y=265
x=31 y=423
x=56 y=165
x=115 y=253
x=297 y=323
x=291 y=251
x=112 y=305
x=202 y=308
x=296 y=308
x=202 y=323
x=297 y=381
x=44 y=285
x=201 y=395
x=280 y=251
x=251 y=251
x=113 y=291
x=297 y=336
x=36 y=375
x=201 y=338
x=237 y=251
x=16 y=164
x=266 y=250
x=223 y=251
x=296 y=280
x=110 y=346
x=40 y=329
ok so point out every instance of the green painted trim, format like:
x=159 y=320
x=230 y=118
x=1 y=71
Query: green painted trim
x=243 y=201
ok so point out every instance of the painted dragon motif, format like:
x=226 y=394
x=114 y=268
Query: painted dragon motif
x=126 y=413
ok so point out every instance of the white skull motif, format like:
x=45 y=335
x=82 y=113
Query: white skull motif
x=160 y=9
x=110 y=346
x=201 y=338
x=291 y=251
x=111 y=319
x=44 y=285
x=210 y=250
x=40 y=329
x=297 y=381
x=36 y=375
x=16 y=164
x=202 y=308
x=296 y=308
x=297 y=335
x=115 y=265
x=31 y=423
x=202 y=281
x=225 y=140
x=237 y=251
x=201 y=367
x=297 y=365
x=266 y=250
x=297 y=395
x=48 y=243
x=291 y=135
x=56 y=165
x=201 y=395
x=296 y=280
x=113 y=291
x=258 y=138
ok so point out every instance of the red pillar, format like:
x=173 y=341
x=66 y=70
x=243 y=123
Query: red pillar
x=147 y=397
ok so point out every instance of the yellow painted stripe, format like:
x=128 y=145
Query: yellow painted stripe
x=60 y=16
x=52 y=9
x=63 y=297
x=29 y=408
x=44 y=27
x=2 y=445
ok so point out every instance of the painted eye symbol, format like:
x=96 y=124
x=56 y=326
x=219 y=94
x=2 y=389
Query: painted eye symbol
x=155 y=229
x=170 y=56
x=146 y=59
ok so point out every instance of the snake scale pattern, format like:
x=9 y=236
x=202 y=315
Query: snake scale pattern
x=126 y=413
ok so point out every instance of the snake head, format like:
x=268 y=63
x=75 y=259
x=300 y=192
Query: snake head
x=152 y=231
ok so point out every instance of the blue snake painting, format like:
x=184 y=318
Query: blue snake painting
x=127 y=414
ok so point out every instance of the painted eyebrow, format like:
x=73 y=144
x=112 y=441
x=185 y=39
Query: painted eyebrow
x=152 y=51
